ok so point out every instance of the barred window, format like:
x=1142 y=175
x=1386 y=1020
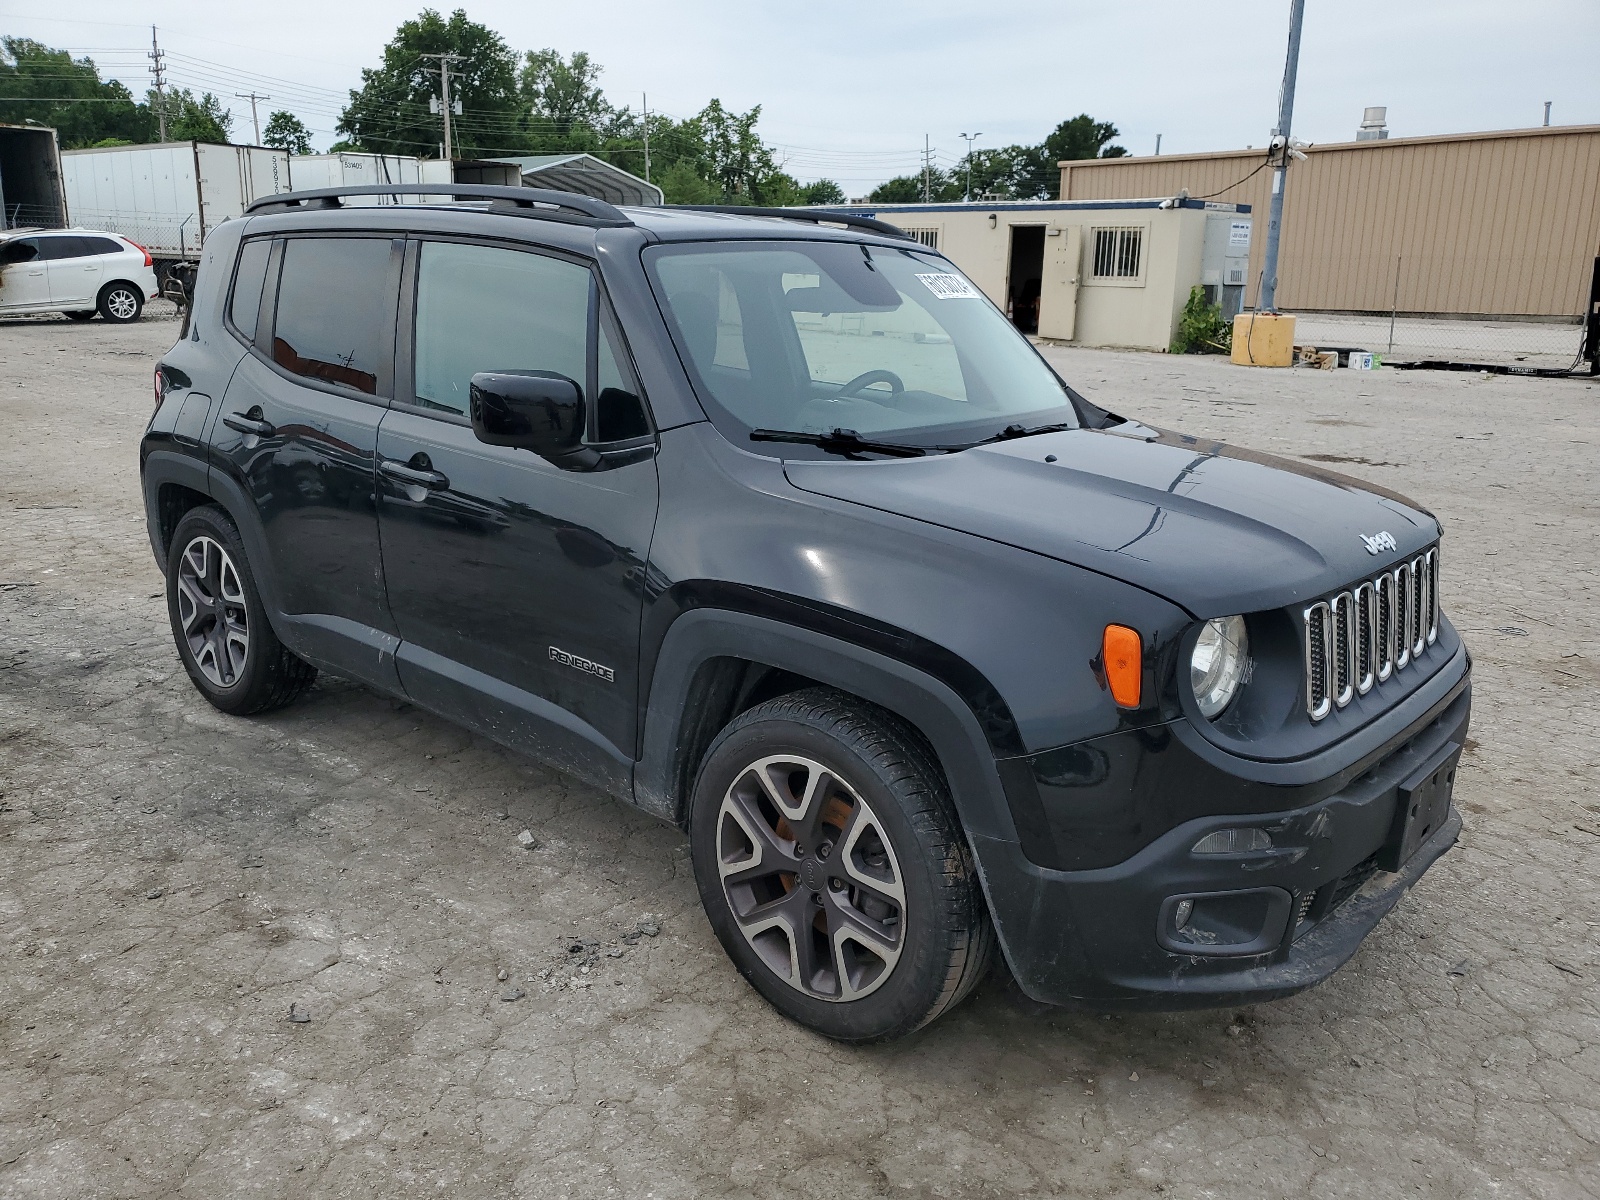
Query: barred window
x=1116 y=253
x=928 y=237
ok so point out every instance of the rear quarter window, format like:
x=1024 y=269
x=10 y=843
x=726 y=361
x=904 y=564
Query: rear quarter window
x=248 y=278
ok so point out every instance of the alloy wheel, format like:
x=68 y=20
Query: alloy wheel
x=811 y=878
x=211 y=611
x=122 y=303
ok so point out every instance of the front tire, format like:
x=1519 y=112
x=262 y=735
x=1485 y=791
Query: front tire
x=120 y=303
x=233 y=657
x=832 y=866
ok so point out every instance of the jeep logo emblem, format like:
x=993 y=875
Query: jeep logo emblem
x=1379 y=542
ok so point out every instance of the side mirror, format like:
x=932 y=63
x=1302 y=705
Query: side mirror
x=533 y=410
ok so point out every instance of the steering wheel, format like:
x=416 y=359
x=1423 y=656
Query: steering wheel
x=867 y=379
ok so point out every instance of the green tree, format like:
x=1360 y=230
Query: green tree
x=823 y=191
x=680 y=183
x=287 y=132
x=390 y=114
x=191 y=119
x=562 y=93
x=1082 y=137
x=49 y=86
x=902 y=189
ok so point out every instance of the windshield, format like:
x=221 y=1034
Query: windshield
x=810 y=337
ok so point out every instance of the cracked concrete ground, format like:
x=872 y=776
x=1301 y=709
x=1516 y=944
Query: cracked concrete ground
x=173 y=880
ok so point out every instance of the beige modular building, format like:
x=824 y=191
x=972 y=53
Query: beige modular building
x=1478 y=225
x=1100 y=273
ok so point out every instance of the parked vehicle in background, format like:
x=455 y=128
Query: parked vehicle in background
x=79 y=272
x=170 y=196
x=782 y=532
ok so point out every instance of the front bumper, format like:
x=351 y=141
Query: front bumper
x=1096 y=937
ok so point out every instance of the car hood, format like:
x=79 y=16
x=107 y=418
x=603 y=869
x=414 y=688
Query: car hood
x=1214 y=528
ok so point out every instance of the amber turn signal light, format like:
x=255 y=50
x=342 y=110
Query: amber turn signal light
x=1124 y=664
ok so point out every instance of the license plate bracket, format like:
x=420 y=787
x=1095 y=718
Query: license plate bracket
x=1422 y=805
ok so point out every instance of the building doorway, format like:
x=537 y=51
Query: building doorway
x=1024 y=276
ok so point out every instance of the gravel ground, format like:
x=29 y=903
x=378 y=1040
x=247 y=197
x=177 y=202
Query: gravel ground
x=172 y=881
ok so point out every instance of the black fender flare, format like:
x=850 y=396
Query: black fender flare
x=171 y=466
x=930 y=704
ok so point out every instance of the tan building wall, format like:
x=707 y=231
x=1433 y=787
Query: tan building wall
x=1504 y=223
x=1139 y=312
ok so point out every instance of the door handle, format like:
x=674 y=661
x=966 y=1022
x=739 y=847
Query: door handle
x=432 y=480
x=245 y=423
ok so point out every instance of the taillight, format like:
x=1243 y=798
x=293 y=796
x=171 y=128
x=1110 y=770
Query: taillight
x=148 y=261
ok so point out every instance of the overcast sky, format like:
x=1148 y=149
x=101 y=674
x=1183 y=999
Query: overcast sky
x=848 y=89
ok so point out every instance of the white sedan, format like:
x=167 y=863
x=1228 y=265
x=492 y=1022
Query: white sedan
x=79 y=272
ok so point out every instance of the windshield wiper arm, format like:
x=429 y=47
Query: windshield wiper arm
x=842 y=441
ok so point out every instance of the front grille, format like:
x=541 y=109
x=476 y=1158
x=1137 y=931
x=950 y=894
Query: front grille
x=1361 y=637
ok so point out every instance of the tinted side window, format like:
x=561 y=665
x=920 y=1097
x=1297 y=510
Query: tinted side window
x=619 y=413
x=61 y=246
x=19 y=250
x=247 y=283
x=333 y=296
x=480 y=308
x=101 y=245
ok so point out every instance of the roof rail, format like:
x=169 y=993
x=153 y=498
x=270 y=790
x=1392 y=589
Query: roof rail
x=815 y=216
x=517 y=201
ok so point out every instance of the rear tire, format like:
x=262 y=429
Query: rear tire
x=120 y=303
x=878 y=925
x=87 y=314
x=219 y=624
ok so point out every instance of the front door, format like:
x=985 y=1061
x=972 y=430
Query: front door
x=24 y=280
x=1058 y=292
x=298 y=429
x=516 y=586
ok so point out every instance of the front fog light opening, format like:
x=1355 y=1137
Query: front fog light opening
x=1233 y=841
x=1217 y=666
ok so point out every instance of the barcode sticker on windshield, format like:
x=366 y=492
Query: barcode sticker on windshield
x=950 y=287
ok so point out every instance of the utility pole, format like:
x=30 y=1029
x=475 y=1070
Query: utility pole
x=971 y=137
x=927 y=170
x=254 y=118
x=1267 y=301
x=444 y=87
x=157 y=69
x=646 y=96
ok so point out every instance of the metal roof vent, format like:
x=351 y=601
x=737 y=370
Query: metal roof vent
x=1373 y=126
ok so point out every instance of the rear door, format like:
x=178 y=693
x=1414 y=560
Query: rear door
x=74 y=273
x=298 y=430
x=516 y=586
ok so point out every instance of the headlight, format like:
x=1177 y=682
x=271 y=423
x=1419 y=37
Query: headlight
x=1217 y=666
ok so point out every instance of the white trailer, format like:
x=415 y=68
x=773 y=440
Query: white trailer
x=168 y=197
x=310 y=171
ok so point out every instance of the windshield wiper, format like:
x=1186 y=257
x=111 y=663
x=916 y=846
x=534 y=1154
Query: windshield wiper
x=1011 y=432
x=842 y=441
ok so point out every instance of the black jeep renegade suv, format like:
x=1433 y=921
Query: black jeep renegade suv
x=769 y=523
